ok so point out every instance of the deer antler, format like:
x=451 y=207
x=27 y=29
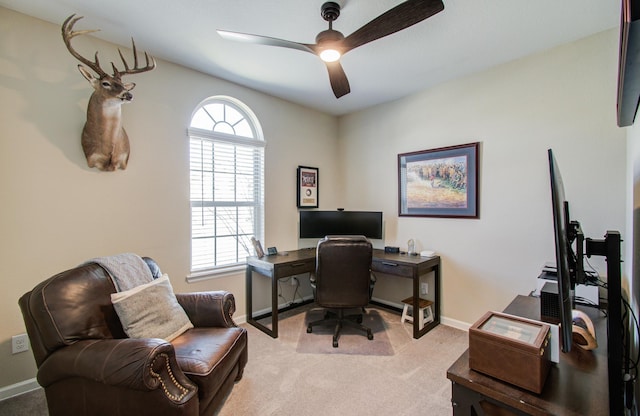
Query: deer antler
x=68 y=33
x=135 y=70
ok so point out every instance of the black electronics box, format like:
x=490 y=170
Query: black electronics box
x=389 y=249
x=549 y=306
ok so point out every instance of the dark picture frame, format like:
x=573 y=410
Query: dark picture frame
x=308 y=187
x=439 y=182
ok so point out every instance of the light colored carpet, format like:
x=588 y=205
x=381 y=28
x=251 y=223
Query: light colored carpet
x=32 y=403
x=351 y=340
x=279 y=380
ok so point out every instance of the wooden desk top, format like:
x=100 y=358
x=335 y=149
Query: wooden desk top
x=305 y=254
x=302 y=254
x=576 y=386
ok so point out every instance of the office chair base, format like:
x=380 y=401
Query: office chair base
x=339 y=320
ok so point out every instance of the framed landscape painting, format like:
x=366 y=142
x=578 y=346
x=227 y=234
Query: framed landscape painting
x=439 y=182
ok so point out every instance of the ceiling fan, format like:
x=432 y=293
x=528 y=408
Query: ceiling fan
x=331 y=44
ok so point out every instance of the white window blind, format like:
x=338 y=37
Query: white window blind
x=226 y=185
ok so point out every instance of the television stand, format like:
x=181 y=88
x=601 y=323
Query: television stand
x=609 y=248
x=577 y=385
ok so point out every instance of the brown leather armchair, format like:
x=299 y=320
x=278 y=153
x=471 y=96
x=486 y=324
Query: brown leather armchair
x=88 y=366
x=342 y=281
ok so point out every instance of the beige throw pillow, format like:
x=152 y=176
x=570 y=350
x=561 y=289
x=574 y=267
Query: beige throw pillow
x=151 y=310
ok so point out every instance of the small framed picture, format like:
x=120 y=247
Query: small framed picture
x=508 y=327
x=307 y=194
x=257 y=247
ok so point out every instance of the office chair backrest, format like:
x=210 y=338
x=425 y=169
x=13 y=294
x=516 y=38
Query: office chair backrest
x=343 y=271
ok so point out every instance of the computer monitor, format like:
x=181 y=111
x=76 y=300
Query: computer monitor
x=318 y=224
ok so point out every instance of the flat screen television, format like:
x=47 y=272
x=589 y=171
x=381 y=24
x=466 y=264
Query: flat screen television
x=564 y=251
x=318 y=224
x=570 y=271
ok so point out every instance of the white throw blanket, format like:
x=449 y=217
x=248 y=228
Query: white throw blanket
x=127 y=270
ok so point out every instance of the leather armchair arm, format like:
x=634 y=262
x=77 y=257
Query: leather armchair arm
x=209 y=309
x=139 y=364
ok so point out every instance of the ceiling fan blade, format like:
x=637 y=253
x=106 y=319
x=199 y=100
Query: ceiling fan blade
x=400 y=17
x=338 y=79
x=264 y=40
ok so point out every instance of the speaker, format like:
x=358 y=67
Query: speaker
x=389 y=249
x=549 y=303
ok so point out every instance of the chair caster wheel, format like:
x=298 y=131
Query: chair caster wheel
x=369 y=336
x=335 y=344
x=309 y=330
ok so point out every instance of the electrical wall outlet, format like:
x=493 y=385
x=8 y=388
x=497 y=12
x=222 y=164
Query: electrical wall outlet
x=424 y=288
x=19 y=343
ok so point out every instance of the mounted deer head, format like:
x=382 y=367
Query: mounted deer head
x=104 y=141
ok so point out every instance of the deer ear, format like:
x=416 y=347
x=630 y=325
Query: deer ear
x=129 y=86
x=85 y=73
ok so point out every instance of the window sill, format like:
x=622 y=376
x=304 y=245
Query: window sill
x=202 y=275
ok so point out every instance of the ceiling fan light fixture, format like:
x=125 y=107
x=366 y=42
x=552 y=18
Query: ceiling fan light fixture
x=329 y=44
x=330 y=55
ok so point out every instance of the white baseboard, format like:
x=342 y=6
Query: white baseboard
x=443 y=319
x=242 y=319
x=18 y=388
x=454 y=323
x=388 y=303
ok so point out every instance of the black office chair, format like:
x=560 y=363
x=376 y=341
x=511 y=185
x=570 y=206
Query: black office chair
x=342 y=281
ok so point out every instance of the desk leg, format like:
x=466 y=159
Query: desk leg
x=274 y=307
x=416 y=305
x=417 y=332
x=248 y=275
x=436 y=303
x=273 y=333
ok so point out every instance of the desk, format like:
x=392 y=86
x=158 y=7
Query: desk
x=304 y=261
x=577 y=385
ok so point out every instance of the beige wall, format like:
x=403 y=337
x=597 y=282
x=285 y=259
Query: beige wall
x=562 y=99
x=56 y=212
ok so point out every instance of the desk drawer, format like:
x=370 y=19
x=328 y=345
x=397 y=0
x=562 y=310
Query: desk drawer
x=392 y=267
x=297 y=267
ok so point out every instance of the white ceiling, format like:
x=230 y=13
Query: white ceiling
x=468 y=36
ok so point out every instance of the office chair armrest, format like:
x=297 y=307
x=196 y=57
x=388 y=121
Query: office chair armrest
x=209 y=309
x=131 y=363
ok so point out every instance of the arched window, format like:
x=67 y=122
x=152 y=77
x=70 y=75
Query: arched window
x=227 y=191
